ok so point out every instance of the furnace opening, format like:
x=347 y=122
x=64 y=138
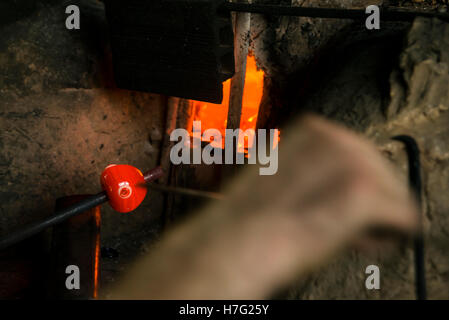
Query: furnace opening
x=213 y=116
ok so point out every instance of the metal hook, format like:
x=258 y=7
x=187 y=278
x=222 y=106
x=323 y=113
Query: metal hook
x=414 y=167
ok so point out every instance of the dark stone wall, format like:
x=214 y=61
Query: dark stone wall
x=379 y=84
x=62 y=119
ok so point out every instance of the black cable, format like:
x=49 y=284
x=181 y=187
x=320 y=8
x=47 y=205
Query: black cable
x=386 y=14
x=415 y=183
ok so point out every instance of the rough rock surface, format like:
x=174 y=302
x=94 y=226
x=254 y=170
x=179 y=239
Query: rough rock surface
x=285 y=44
x=416 y=103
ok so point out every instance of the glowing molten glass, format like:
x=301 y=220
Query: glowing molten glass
x=125 y=187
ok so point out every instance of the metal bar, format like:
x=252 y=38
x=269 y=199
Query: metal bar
x=76 y=241
x=386 y=14
x=186 y=192
x=242 y=25
x=153 y=174
x=241 y=43
x=171 y=117
x=59 y=217
x=414 y=168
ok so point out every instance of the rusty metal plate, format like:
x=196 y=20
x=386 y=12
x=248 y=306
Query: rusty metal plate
x=178 y=48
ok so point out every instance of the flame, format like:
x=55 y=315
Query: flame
x=97 y=251
x=213 y=116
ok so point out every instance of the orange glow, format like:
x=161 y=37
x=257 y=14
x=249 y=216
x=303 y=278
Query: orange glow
x=97 y=251
x=213 y=116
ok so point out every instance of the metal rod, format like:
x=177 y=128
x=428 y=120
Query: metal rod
x=241 y=44
x=153 y=174
x=59 y=217
x=186 y=192
x=171 y=117
x=386 y=14
x=82 y=230
x=66 y=213
x=414 y=168
x=242 y=27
